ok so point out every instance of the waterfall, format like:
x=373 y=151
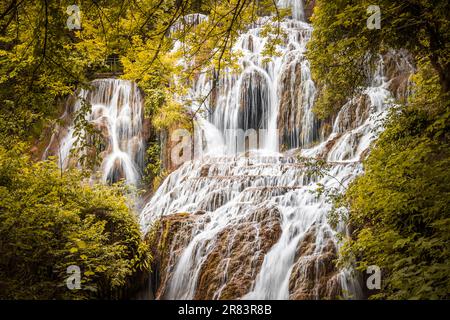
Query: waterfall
x=117 y=116
x=255 y=227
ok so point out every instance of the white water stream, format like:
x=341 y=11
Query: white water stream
x=231 y=180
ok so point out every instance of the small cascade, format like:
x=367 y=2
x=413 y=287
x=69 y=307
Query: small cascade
x=227 y=192
x=117 y=117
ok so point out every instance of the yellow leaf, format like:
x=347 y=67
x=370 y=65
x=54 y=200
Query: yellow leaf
x=81 y=244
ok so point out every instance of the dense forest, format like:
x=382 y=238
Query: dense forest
x=395 y=212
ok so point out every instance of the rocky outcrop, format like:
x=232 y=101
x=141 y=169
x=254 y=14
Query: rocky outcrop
x=52 y=137
x=295 y=95
x=289 y=114
x=171 y=143
x=308 y=7
x=353 y=114
x=254 y=103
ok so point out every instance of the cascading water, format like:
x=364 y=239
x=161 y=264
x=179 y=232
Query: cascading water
x=258 y=211
x=117 y=114
x=249 y=101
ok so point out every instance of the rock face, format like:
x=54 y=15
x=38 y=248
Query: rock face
x=308 y=6
x=353 y=114
x=296 y=91
x=289 y=118
x=167 y=147
x=298 y=127
x=254 y=103
x=228 y=271
x=53 y=140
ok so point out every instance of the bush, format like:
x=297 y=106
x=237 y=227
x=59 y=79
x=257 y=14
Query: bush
x=399 y=208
